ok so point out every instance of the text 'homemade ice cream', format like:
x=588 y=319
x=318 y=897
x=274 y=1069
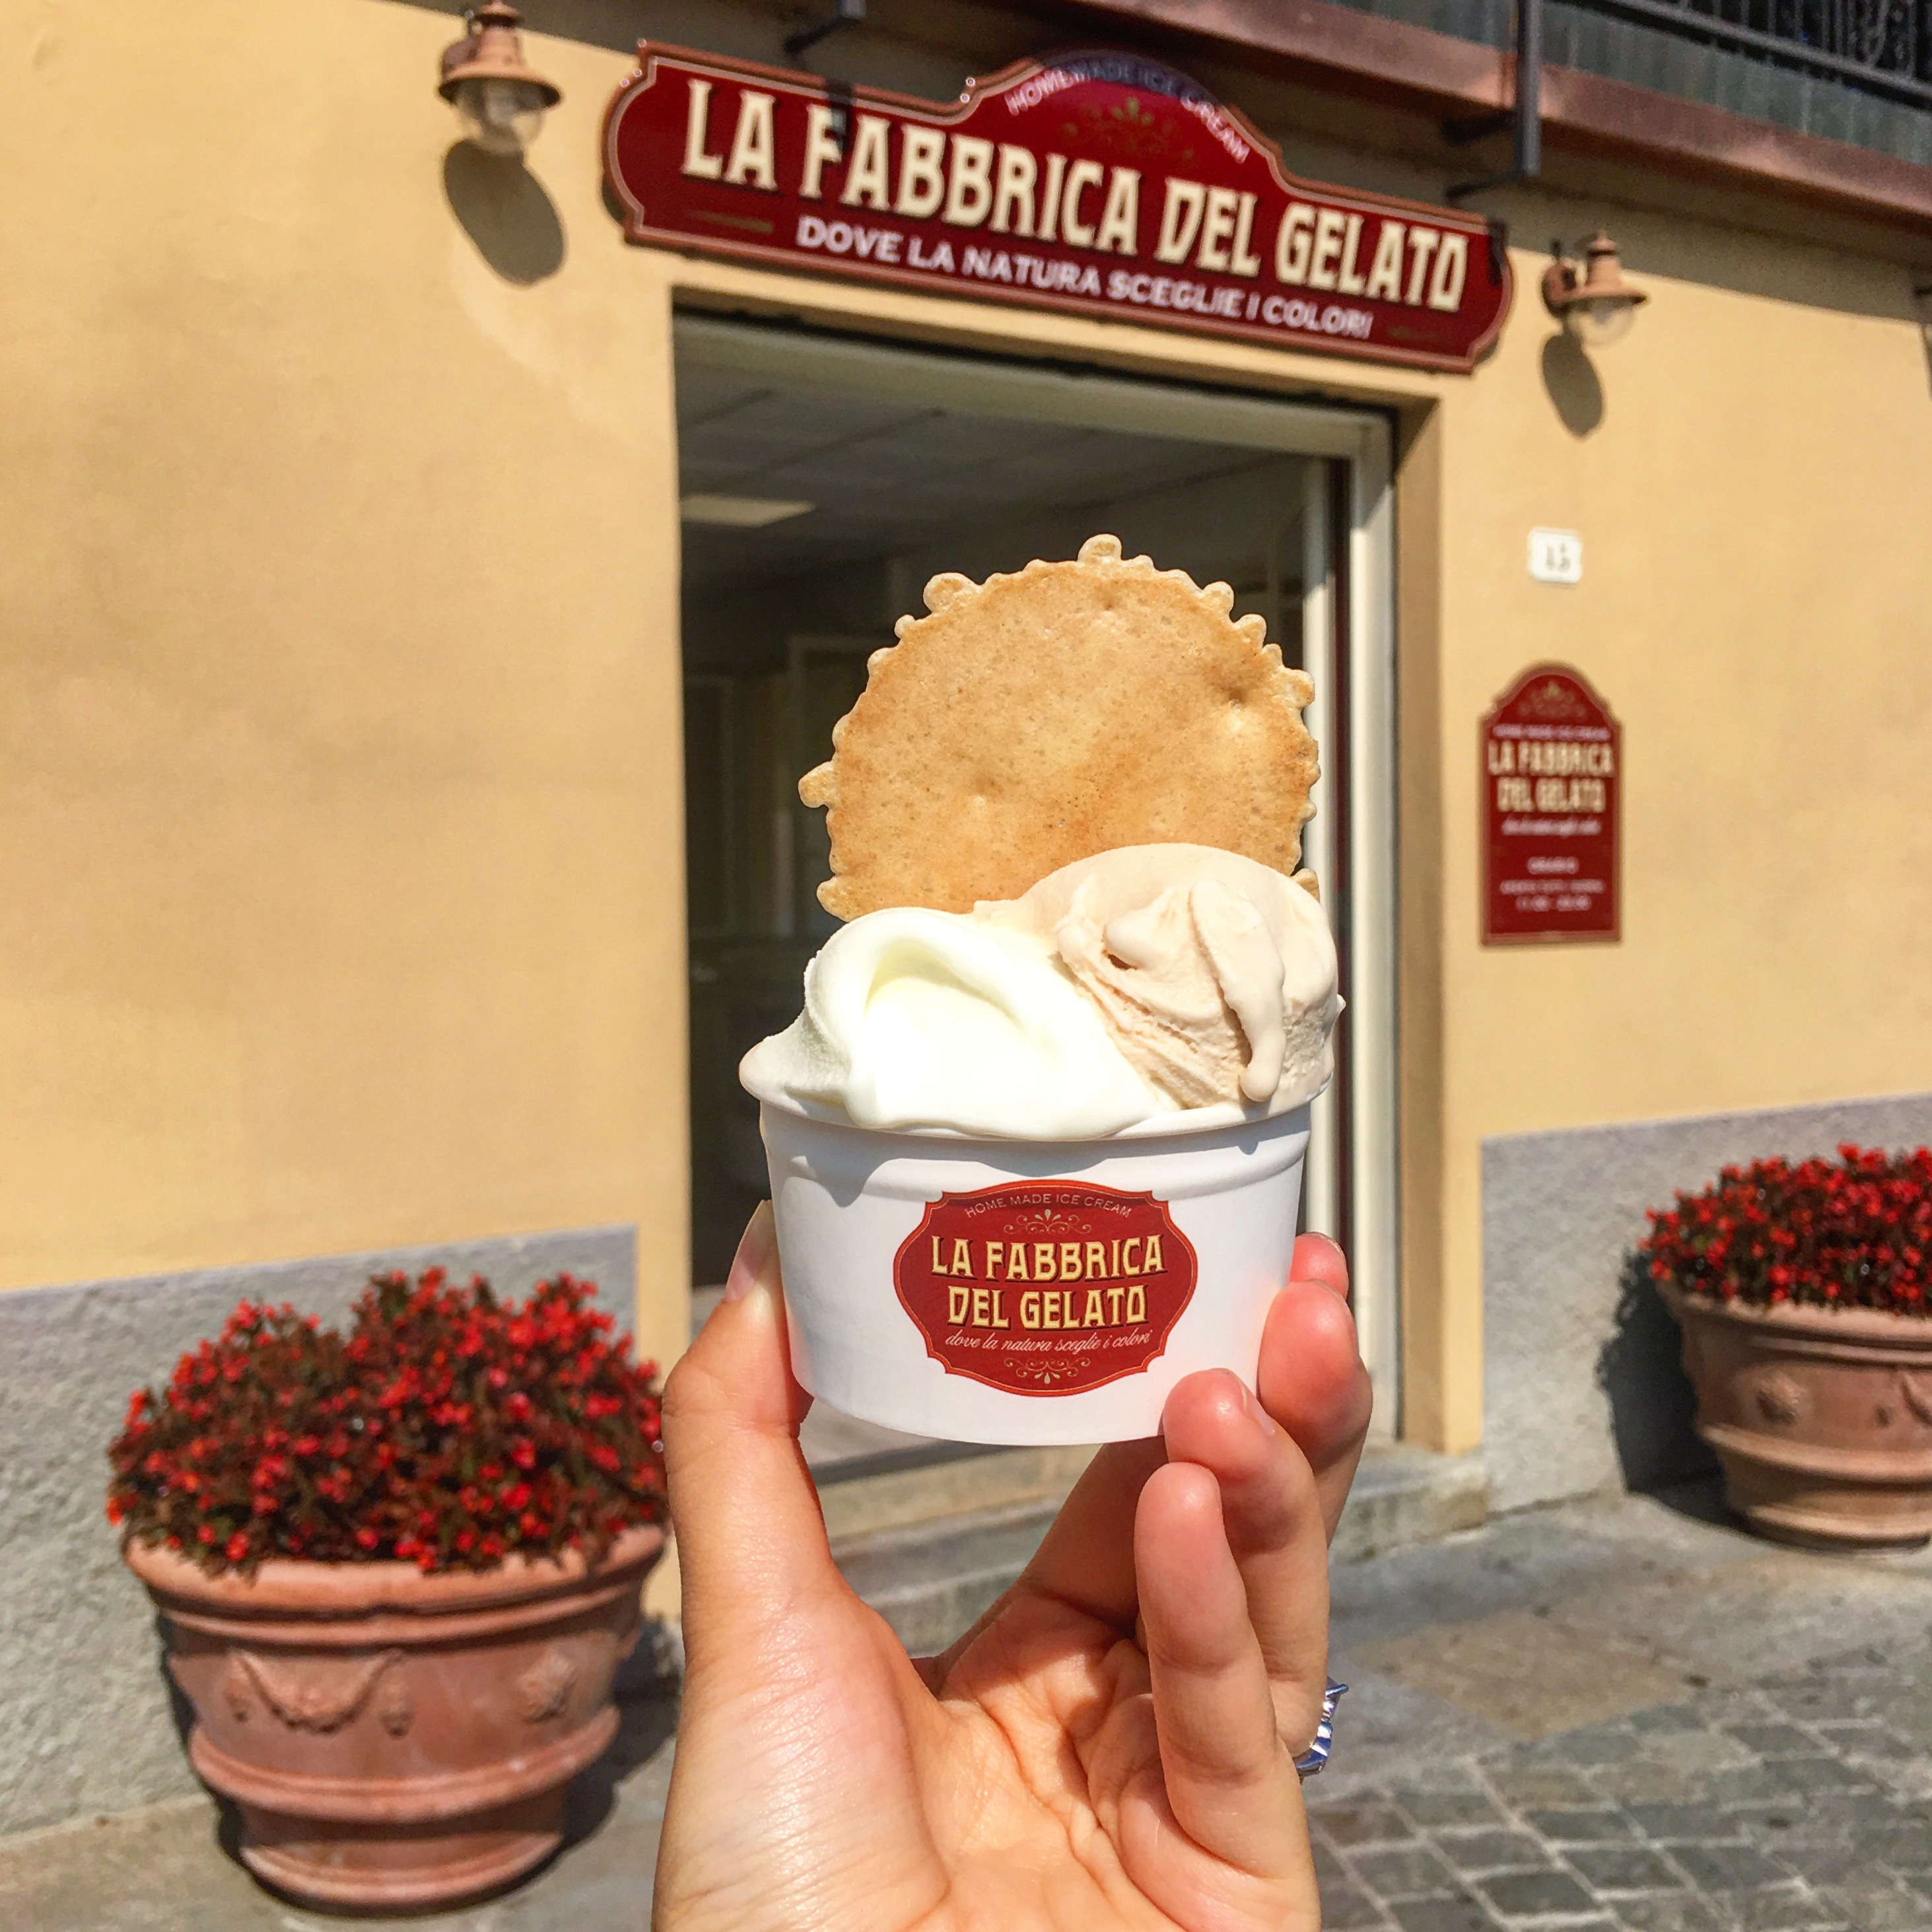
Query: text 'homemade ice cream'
x=1142 y=982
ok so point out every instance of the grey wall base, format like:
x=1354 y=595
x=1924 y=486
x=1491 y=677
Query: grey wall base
x=1582 y=1389
x=88 y=1722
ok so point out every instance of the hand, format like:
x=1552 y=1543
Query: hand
x=1112 y=1744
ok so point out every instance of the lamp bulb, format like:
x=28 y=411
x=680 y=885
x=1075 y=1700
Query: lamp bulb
x=1596 y=324
x=501 y=116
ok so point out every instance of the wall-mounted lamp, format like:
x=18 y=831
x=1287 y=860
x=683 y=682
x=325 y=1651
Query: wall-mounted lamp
x=1590 y=298
x=500 y=99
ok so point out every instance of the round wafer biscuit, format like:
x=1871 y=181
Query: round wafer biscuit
x=1053 y=712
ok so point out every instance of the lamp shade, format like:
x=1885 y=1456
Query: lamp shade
x=500 y=99
x=1597 y=306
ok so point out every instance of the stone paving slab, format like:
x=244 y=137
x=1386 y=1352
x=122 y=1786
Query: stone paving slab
x=1741 y=1769
x=1556 y=1620
x=1561 y=1830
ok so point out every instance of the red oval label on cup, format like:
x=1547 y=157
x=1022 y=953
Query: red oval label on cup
x=1046 y=1287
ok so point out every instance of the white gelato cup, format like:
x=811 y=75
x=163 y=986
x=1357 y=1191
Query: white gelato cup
x=1140 y=1259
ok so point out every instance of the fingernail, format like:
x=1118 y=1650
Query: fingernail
x=755 y=1249
x=1270 y=1429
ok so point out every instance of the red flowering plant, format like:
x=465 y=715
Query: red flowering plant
x=1854 y=1233
x=446 y=1428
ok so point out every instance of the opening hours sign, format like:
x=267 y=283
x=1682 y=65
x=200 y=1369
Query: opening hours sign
x=1102 y=184
x=1552 y=759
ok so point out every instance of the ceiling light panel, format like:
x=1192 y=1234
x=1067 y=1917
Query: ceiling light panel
x=741 y=513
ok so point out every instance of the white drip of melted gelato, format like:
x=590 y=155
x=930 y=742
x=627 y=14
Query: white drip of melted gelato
x=1145 y=983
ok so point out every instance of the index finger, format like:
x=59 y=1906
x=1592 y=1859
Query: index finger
x=1311 y=1378
x=1319 y=1258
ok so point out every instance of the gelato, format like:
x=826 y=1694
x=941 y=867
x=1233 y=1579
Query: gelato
x=1141 y=982
x=1077 y=1054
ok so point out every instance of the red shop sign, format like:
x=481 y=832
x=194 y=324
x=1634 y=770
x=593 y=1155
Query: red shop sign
x=1044 y=1287
x=1103 y=184
x=1552 y=758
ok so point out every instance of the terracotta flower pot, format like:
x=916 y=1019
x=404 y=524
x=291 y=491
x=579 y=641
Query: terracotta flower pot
x=1822 y=1417
x=392 y=1739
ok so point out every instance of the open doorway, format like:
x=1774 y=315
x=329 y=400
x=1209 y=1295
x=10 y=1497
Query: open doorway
x=823 y=481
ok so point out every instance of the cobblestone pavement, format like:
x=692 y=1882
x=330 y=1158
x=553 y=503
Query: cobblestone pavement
x=1802 y=1800
x=1626 y=1713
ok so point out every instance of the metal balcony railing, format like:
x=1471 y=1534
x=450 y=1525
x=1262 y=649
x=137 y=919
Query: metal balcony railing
x=1882 y=47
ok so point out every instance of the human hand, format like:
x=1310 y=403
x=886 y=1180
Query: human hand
x=1112 y=1744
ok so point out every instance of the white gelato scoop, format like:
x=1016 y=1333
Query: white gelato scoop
x=1144 y=982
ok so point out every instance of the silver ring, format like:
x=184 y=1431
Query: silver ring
x=1312 y=1760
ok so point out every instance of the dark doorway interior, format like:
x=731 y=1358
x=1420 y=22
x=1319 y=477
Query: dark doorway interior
x=779 y=616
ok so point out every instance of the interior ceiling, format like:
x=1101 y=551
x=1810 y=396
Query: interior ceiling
x=884 y=477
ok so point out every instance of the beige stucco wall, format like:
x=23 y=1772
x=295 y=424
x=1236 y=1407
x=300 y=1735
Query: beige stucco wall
x=341 y=864
x=1757 y=607
x=339 y=860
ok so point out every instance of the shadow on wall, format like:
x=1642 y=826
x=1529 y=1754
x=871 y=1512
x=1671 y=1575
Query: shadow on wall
x=1572 y=384
x=1653 y=1408
x=505 y=211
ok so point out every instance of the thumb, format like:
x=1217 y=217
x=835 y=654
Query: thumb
x=751 y=1540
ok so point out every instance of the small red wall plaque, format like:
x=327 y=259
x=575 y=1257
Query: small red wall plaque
x=1099 y=183
x=1044 y=1287
x=1552 y=759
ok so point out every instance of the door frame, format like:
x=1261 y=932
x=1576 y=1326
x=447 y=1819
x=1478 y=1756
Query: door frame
x=1348 y=627
x=1348 y=624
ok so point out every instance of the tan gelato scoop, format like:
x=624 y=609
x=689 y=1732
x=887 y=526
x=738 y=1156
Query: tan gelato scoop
x=1215 y=975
